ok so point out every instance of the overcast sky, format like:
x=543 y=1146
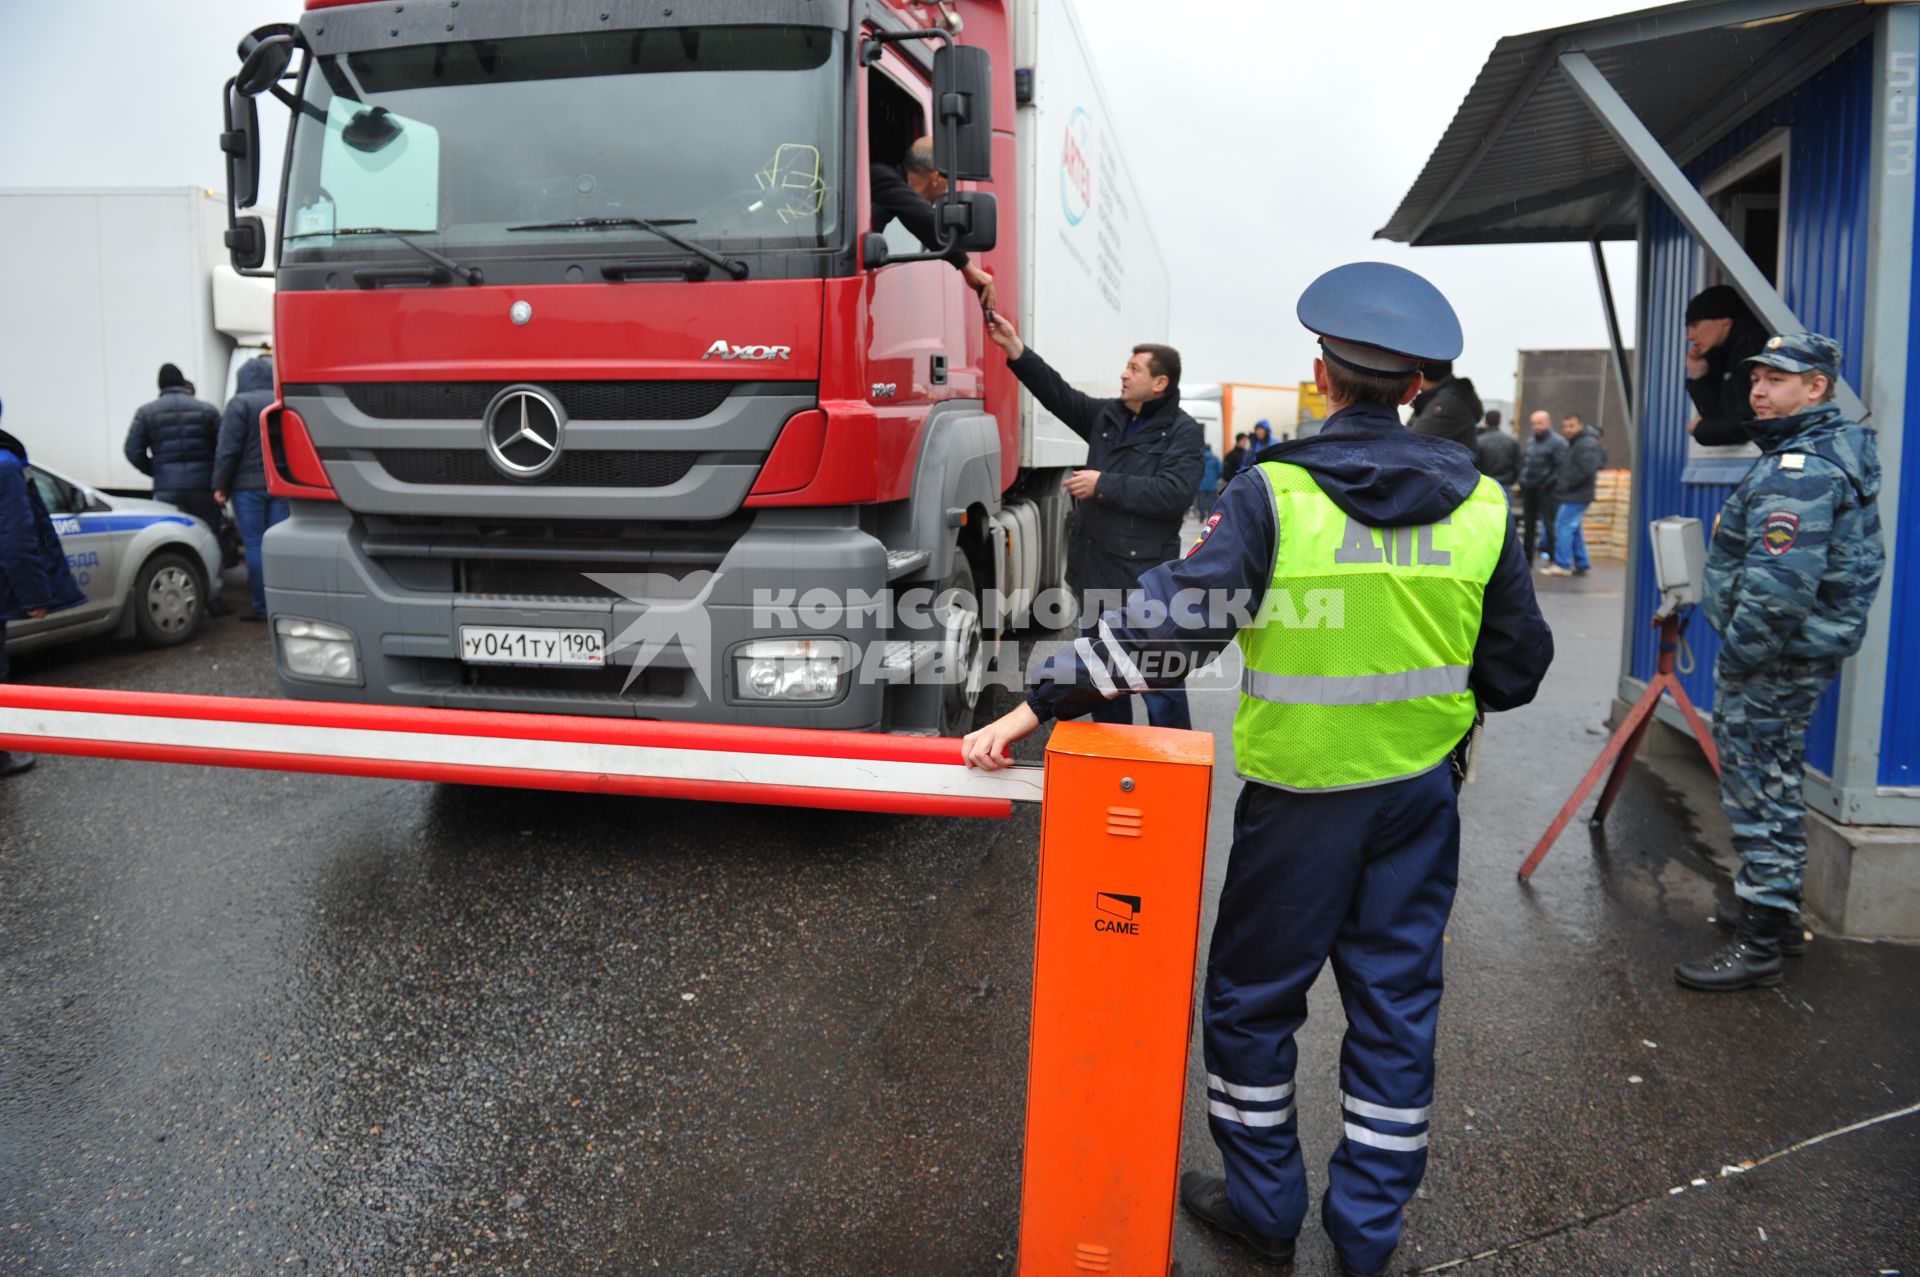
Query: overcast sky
x=1272 y=139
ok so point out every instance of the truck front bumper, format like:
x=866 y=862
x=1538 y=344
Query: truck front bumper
x=674 y=614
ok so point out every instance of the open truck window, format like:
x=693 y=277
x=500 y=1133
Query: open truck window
x=895 y=118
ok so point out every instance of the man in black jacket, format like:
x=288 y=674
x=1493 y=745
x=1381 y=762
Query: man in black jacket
x=1447 y=407
x=1497 y=453
x=1539 y=494
x=172 y=440
x=906 y=191
x=1722 y=335
x=1144 y=457
x=1574 y=487
x=1235 y=458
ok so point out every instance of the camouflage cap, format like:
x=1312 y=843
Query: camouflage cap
x=1801 y=352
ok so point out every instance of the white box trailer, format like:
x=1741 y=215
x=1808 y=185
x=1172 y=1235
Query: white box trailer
x=103 y=285
x=1095 y=282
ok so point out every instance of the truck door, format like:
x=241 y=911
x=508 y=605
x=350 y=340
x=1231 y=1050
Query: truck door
x=910 y=358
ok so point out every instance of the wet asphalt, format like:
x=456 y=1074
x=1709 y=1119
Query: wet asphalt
x=254 y=1022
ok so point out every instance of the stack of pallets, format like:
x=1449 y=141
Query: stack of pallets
x=1609 y=535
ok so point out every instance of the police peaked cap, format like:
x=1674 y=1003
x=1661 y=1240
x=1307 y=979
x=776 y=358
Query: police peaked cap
x=1801 y=352
x=1375 y=318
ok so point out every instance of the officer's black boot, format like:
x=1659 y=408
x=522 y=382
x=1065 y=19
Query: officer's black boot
x=1206 y=1197
x=1751 y=958
x=1793 y=939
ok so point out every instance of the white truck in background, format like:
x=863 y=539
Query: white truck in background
x=103 y=285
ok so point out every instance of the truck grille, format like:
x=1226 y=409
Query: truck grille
x=583 y=400
x=468 y=467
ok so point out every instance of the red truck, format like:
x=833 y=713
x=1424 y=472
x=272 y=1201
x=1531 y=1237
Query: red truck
x=597 y=393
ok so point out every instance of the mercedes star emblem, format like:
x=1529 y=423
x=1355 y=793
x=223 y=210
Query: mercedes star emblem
x=524 y=429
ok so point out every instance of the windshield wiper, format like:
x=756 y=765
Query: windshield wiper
x=470 y=274
x=732 y=265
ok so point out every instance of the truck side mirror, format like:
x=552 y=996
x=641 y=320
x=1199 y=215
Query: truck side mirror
x=243 y=155
x=264 y=58
x=247 y=243
x=971 y=219
x=873 y=251
x=963 y=113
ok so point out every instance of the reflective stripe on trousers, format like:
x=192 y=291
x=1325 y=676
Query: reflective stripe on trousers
x=1363 y=878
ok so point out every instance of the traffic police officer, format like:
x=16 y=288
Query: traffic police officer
x=1389 y=599
x=1796 y=561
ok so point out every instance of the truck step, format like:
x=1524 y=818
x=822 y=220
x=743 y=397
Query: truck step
x=907 y=654
x=902 y=562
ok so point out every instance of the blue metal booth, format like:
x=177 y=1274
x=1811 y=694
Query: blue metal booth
x=1767 y=145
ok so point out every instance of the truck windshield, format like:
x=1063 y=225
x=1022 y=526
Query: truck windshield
x=731 y=134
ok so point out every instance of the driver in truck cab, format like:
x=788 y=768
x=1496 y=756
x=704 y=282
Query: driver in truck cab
x=906 y=192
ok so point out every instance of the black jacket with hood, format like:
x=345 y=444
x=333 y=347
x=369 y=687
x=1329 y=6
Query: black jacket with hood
x=1373 y=469
x=1586 y=457
x=1450 y=409
x=237 y=464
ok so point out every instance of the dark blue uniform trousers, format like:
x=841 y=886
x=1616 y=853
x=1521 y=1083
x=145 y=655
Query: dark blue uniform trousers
x=1364 y=877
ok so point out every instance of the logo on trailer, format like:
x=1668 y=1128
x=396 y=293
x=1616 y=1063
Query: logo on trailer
x=727 y=350
x=1076 y=167
x=524 y=430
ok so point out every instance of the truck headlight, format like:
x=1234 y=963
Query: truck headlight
x=791 y=669
x=314 y=649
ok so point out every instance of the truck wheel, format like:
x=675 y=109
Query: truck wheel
x=963 y=647
x=169 y=599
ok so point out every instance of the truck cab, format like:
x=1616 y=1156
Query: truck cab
x=597 y=392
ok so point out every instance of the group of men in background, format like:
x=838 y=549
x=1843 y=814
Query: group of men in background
x=1556 y=475
x=200 y=457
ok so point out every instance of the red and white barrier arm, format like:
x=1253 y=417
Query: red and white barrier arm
x=787 y=767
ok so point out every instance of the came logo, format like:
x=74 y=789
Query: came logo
x=1116 y=913
x=726 y=350
x=1076 y=167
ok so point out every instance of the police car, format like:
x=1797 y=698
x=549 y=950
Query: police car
x=144 y=567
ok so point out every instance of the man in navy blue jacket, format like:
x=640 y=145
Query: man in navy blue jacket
x=34 y=576
x=172 y=440
x=1357 y=871
x=240 y=472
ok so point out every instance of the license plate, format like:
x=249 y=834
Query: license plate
x=499 y=645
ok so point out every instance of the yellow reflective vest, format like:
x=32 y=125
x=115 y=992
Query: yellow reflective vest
x=1356 y=667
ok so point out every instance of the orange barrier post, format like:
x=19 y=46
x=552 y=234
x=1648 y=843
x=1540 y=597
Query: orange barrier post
x=1123 y=838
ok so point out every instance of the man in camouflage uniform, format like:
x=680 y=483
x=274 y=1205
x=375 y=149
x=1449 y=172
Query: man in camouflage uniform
x=1795 y=564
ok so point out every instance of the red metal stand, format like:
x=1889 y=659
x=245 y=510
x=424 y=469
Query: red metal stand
x=1626 y=743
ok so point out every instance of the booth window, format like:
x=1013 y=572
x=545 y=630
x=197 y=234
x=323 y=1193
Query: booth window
x=1749 y=193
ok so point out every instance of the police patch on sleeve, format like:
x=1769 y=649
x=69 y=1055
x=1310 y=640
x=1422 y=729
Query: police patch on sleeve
x=1206 y=530
x=1779 y=531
